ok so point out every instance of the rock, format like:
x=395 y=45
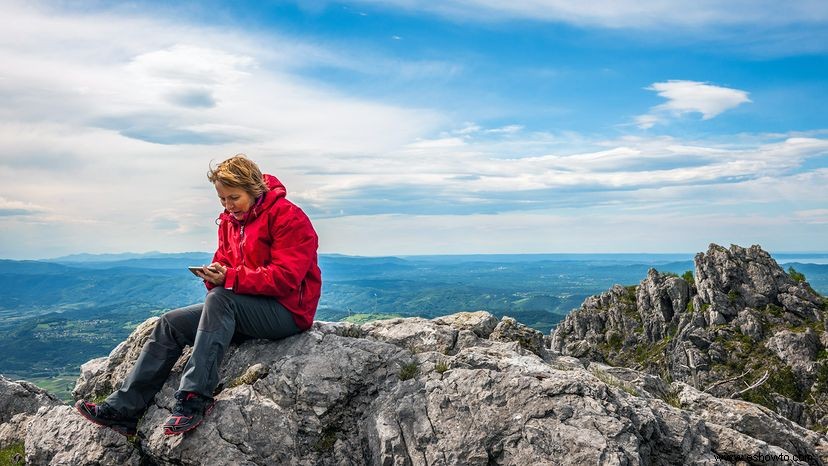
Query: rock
x=756 y=422
x=799 y=300
x=583 y=333
x=743 y=315
x=634 y=382
x=729 y=280
x=481 y=323
x=58 y=436
x=343 y=329
x=251 y=375
x=431 y=422
x=14 y=430
x=466 y=339
x=660 y=299
x=21 y=397
x=749 y=322
x=19 y=401
x=797 y=350
x=416 y=334
x=508 y=329
x=729 y=444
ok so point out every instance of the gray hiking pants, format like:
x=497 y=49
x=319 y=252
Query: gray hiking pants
x=209 y=329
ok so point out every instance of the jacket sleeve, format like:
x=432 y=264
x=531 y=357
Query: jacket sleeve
x=219 y=255
x=292 y=252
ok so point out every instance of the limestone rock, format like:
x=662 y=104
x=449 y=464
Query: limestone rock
x=415 y=334
x=797 y=349
x=509 y=329
x=14 y=430
x=19 y=401
x=756 y=422
x=730 y=279
x=660 y=299
x=729 y=444
x=749 y=323
x=21 y=397
x=741 y=316
x=584 y=332
x=58 y=436
x=481 y=323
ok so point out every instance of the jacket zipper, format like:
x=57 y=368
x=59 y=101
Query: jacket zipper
x=241 y=243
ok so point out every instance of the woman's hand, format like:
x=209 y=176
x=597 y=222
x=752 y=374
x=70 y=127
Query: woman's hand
x=213 y=273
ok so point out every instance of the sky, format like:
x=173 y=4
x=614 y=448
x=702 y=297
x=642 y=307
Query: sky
x=410 y=127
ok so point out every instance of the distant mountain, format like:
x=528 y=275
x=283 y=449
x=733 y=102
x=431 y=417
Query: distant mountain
x=85 y=257
x=31 y=267
x=593 y=258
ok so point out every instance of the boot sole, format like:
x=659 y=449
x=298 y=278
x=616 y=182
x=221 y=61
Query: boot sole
x=125 y=431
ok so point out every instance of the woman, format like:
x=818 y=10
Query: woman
x=264 y=282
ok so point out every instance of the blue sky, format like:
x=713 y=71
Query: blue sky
x=408 y=127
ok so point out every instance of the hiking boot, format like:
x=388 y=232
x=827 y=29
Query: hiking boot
x=188 y=413
x=104 y=415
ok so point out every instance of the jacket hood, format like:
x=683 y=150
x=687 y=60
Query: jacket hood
x=276 y=191
x=275 y=186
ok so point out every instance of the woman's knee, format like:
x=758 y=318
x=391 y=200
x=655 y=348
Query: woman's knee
x=219 y=300
x=179 y=325
x=178 y=318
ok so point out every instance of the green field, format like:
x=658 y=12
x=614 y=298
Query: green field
x=60 y=385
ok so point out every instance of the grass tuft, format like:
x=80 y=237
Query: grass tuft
x=8 y=454
x=409 y=371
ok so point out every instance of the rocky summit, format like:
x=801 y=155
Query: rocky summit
x=739 y=327
x=636 y=376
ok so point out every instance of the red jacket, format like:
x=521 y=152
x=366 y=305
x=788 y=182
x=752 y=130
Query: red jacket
x=272 y=252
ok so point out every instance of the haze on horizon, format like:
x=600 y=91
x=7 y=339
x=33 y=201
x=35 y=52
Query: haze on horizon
x=409 y=127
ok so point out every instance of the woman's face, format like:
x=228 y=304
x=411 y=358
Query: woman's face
x=236 y=200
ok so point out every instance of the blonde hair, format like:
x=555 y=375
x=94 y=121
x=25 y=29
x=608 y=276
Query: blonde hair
x=239 y=172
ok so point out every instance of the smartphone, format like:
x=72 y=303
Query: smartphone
x=195 y=268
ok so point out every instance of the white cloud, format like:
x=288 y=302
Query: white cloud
x=647 y=121
x=11 y=207
x=472 y=175
x=690 y=97
x=508 y=129
x=467 y=129
x=184 y=64
x=813 y=216
x=628 y=13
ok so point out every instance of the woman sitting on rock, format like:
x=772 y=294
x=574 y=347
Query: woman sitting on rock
x=264 y=282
